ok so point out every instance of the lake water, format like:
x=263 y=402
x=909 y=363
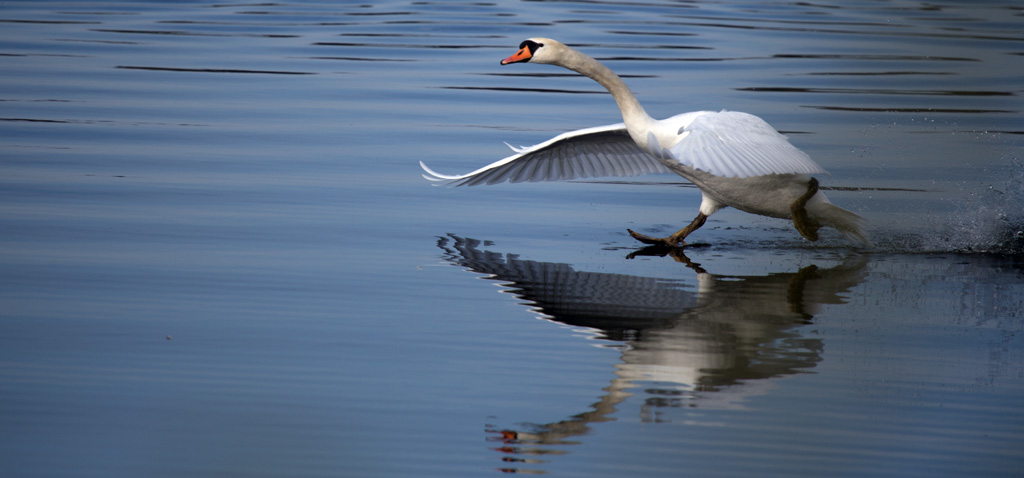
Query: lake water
x=218 y=257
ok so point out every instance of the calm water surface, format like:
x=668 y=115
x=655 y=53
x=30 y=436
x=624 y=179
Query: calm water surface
x=218 y=257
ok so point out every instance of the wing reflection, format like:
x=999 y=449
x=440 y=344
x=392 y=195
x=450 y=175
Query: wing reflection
x=710 y=346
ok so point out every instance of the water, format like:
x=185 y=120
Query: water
x=218 y=257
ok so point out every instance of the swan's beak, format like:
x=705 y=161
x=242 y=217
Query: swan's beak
x=522 y=55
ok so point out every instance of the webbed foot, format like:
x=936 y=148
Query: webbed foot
x=806 y=226
x=676 y=239
x=656 y=241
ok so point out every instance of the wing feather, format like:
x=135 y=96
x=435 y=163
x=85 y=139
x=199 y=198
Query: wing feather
x=605 y=162
x=733 y=144
x=728 y=144
x=587 y=153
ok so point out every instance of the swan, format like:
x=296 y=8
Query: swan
x=735 y=159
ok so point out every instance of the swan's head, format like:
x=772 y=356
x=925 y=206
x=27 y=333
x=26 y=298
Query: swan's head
x=538 y=50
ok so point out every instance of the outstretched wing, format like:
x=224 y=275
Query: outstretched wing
x=585 y=153
x=737 y=145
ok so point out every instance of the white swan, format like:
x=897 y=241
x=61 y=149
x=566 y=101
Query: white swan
x=736 y=159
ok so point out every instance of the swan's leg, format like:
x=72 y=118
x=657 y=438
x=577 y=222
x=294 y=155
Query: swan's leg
x=675 y=239
x=806 y=226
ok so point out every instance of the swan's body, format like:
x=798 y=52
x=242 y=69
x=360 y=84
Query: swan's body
x=736 y=159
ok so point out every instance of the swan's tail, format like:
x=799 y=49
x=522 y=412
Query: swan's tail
x=849 y=224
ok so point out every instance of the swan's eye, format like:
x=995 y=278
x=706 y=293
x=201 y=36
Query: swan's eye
x=530 y=45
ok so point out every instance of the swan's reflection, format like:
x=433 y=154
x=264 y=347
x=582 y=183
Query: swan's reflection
x=710 y=347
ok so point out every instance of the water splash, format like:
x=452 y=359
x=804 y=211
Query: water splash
x=992 y=221
x=983 y=218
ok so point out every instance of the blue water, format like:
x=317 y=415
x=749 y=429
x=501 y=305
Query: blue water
x=218 y=257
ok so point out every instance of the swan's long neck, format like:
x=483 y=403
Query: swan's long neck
x=637 y=120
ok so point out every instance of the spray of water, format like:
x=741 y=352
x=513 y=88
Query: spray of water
x=981 y=218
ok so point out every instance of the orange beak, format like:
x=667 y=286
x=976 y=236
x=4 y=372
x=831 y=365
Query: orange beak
x=522 y=55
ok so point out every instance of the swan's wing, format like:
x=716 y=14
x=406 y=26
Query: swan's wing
x=737 y=145
x=585 y=153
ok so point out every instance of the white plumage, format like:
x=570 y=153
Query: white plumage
x=735 y=145
x=736 y=159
